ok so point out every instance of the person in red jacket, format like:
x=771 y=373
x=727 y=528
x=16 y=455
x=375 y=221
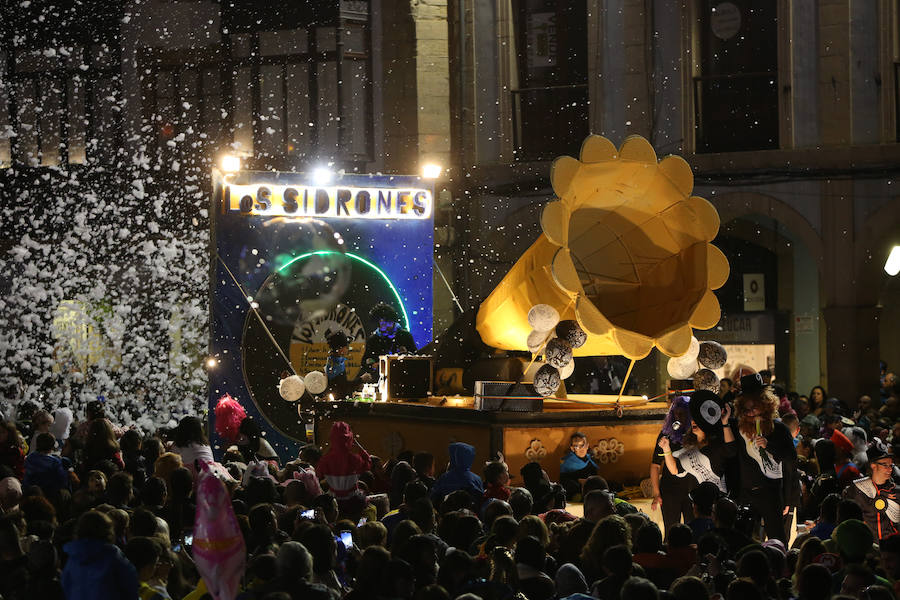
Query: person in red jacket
x=341 y=466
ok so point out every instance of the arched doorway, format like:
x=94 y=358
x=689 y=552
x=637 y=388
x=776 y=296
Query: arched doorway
x=763 y=236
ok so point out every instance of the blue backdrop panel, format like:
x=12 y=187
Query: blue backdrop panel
x=307 y=276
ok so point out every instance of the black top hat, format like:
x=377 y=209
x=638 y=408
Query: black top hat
x=706 y=410
x=751 y=384
x=877 y=451
x=337 y=340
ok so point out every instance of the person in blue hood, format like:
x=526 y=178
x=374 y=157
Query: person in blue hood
x=45 y=470
x=96 y=568
x=459 y=475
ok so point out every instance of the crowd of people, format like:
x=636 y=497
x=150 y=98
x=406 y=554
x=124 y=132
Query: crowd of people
x=89 y=510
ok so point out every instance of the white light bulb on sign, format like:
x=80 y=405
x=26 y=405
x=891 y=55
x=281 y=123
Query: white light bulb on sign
x=431 y=171
x=322 y=175
x=230 y=163
x=892 y=265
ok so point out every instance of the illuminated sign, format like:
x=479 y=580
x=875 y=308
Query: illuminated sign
x=345 y=202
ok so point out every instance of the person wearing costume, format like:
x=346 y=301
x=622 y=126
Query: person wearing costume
x=764 y=452
x=234 y=426
x=341 y=466
x=576 y=465
x=336 y=364
x=670 y=493
x=877 y=495
x=705 y=449
x=390 y=338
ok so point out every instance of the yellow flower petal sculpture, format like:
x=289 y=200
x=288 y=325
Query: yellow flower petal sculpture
x=625 y=250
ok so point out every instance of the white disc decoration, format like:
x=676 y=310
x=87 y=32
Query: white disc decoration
x=558 y=353
x=567 y=370
x=679 y=368
x=291 y=388
x=316 y=382
x=536 y=340
x=693 y=350
x=543 y=317
x=704 y=379
x=712 y=355
x=546 y=380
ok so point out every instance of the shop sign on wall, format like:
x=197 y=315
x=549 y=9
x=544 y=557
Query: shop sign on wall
x=754 y=291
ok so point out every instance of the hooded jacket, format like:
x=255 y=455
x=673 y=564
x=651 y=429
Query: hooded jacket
x=340 y=466
x=96 y=569
x=459 y=476
x=46 y=471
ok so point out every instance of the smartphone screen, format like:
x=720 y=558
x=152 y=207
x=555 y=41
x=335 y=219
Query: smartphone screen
x=347 y=539
x=362 y=522
x=189 y=539
x=309 y=514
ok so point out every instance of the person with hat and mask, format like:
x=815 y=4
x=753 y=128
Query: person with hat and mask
x=877 y=495
x=390 y=338
x=704 y=449
x=765 y=451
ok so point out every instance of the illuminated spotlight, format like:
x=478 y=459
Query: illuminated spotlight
x=892 y=265
x=431 y=171
x=322 y=175
x=211 y=362
x=230 y=163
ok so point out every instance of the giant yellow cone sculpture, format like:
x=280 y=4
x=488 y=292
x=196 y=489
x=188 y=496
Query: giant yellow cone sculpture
x=625 y=250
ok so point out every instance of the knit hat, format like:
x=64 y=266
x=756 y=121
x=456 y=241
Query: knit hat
x=854 y=539
x=842 y=441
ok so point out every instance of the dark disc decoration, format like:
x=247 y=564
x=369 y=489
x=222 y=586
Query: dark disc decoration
x=310 y=298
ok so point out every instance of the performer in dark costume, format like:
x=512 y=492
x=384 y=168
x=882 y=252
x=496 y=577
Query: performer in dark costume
x=765 y=450
x=704 y=449
x=877 y=495
x=670 y=493
x=389 y=339
x=336 y=364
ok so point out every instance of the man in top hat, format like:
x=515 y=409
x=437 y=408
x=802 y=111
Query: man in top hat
x=765 y=452
x=390 y=338
x=877 y=494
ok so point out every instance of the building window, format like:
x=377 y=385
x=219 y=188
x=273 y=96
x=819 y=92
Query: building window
x=59 y=105
x=304 y=95
x=550 y=102
x=736 y=92
x=183 y=101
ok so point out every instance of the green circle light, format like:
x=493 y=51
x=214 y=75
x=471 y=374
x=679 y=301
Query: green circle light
x=369 y=264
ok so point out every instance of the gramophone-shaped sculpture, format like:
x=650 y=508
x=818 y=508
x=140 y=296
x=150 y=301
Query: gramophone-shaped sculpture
x=625 y=251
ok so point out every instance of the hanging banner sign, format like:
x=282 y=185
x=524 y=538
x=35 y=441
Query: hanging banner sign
x=329 y=202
